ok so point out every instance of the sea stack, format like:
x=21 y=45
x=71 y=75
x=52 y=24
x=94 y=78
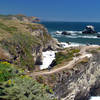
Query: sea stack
x=89 y=30
x=66 y=33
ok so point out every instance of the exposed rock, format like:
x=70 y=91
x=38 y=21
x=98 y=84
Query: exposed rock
x=53 y=63
x=52 y=45
x=4 y=55
x=98 y=36
x=38 y=55
x=81 y=82
x=65 y=33
x=89 y=30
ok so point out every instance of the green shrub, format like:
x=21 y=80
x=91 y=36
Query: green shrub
x=93 y=51
x=6 y=71
x=66 y=55
x=32 y=27
x=21 y=46
x=25 y=89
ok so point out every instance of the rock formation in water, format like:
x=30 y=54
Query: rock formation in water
x=65 y=33
x=89 y=30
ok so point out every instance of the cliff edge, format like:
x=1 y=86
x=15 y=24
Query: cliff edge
x=22 y=42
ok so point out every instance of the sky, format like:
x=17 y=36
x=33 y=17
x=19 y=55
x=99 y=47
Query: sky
x=54 y=10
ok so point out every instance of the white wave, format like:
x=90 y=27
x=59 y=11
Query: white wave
x=95 y=98
x=98 y=32
x=80 y=36
x=74 y=36
x=66 y=45
x=74 y=33
x=58 y=32
x=71 y=32
x=48 y=57
x=94 y=37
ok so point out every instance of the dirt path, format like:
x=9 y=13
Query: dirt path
x=71 y=64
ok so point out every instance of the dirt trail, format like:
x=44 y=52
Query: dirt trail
x=71 y=64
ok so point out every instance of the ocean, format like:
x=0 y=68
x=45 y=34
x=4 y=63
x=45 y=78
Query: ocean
x=75 y=28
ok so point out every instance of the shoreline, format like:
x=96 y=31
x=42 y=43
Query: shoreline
x=95 y=98
x=49 y=56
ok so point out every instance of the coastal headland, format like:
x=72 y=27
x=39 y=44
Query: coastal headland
x=33 y=64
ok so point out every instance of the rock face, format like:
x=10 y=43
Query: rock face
x=89 y=30
x=66 y=33
x=81 y=82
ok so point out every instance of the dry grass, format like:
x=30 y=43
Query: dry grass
x=4 y=54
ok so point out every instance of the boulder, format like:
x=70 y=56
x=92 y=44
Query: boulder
x=89 y=30
x=65 y=33
x=98 y=36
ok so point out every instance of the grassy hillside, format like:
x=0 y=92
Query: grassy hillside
x=15 y=85
x=21 y=44
x=20 y=17
x=21 y=40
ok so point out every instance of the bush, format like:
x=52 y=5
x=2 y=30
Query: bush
x=24 y=88
x=6 y=71
x=66 y=55
x=14 y=85
x=20 y=46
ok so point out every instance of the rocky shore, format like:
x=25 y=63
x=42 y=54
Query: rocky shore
x=81 y=82
x=24 y=44
x=77 y=82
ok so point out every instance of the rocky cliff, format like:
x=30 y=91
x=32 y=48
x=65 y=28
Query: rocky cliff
x=20 y=17
x=22 y=42
x=80 y=82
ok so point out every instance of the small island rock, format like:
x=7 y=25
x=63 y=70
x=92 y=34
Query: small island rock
x=89 y=30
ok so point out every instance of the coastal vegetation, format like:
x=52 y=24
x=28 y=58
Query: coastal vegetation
x=21 y=45
x=20 y=17
x=15 y=84
x=94 y=50
x=66 y=55
x=19 y=39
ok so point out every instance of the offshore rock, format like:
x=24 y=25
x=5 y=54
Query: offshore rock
x=66 y=33
x=89 y=30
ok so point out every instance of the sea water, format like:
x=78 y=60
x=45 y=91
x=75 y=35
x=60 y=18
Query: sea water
x=75 y=28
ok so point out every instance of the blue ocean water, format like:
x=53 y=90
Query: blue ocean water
x=76 y=29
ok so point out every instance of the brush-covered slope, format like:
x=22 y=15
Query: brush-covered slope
x=20 y=17
x=22 y=43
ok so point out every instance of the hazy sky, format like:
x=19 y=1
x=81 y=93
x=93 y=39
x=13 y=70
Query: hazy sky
x=54 y=10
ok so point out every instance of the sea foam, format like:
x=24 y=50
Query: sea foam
x=95 y=98
x=75 y=34
x=48 y=57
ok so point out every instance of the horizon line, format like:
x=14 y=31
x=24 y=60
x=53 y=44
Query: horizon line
x=70 y=21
